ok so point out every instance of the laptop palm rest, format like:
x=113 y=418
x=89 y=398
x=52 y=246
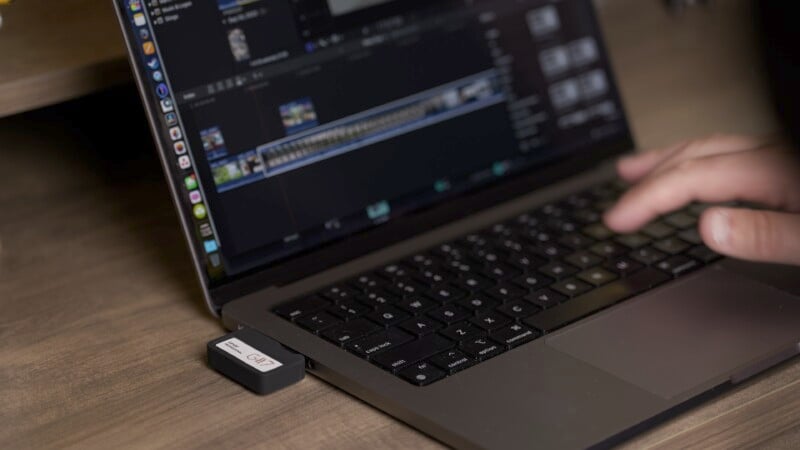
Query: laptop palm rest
x=700 y=330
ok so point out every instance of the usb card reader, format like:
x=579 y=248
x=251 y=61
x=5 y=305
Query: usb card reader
x=255 y=361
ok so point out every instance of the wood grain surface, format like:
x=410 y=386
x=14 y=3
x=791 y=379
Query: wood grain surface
x=51 y=51
x=103 y=327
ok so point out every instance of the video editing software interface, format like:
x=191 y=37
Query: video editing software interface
x=293 y=123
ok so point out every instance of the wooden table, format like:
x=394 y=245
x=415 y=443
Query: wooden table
x=103 y=326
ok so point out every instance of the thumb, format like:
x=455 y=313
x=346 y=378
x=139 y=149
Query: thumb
x=754 y=235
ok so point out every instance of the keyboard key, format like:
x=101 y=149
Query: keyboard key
x=597 y=299
x=671 y=245
x=561 y=225
x=447 y=252
x=538 y=237
x=388 y=316
x=680 y=220
x=432 y=276
x=416 y=305
x=647 y=255
x=485 y=255
x=696 y=209
x=623 y=266
x=527 y=221
x=473 y=240
x=449 y=314
x=446 y=293
x=658 y=230
x=478 y=302
x=597 y=276
x=692 y=236
x=318 y=321
x=525 y=261
x=422 y=374
x=633 y=240
x=608 y=249
x=586 y=216
x=583 y=259
x=512 y=245
x=421 y=326
x=598 y=232
x=376 y=299
x=404 y=355
x=679 y=265
x=604 y=205
x=506 y=292
x=348 y=309
x=546 y=298
x=453 y=361
x=346 y=332
x=420 y=261
x=482 y=348
x=405 y=287
x=551 y=251
x=551 y=210
x=490 y=320
x=518 y=309
x=578 y=201
x=368 y=282
x=501 y=271
x=473 y=282
x=704 y=254
x=463 y=268
x=532 y=281
x=575 y=241
x=296 y=308
x=605 y=192
x=394 y=271
x=500 y=230
x=571 y=287
x=339 y=293
x=379 y=342
x=462 y=331
x=558 y=270
x=514 y=335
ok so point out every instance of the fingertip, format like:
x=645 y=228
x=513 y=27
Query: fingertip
x=617 y=220
x=715 y=229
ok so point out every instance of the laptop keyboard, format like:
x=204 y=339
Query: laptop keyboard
x=463 y=302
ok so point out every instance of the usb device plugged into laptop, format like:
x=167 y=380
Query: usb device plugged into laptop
x=255 y=361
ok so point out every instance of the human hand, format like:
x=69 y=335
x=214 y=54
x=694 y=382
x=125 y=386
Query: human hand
x=715 y=170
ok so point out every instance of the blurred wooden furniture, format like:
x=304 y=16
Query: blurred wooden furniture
x=103 y=325
x=54 y=51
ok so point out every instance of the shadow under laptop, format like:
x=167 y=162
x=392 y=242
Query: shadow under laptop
x=105 y=152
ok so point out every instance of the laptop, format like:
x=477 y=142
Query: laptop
x=409 y=193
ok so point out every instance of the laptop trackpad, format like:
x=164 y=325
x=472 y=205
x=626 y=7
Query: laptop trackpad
x=701 y=329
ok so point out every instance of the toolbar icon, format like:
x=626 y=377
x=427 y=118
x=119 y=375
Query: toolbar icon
x=153 y=63
x=175 y=133
x=161 y=90
x=167 y=105
x=184 y=162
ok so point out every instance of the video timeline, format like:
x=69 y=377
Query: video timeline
x=316 y=143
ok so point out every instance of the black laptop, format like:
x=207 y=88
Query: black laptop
x=409 y=193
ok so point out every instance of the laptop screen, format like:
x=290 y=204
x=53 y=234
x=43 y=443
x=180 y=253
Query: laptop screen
x=290 y=124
